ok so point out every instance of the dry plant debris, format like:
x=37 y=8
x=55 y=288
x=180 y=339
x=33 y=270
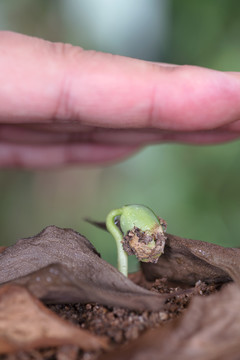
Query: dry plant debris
x=60 y=265
x=62 y=268
x=189 y=261
x=25 y=323
x=209 y=330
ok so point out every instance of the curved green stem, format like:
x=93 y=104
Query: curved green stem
x=118 y=236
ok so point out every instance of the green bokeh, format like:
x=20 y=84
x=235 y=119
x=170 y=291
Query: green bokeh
x=196 y=189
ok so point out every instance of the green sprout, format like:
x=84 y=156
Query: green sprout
x=137 y=231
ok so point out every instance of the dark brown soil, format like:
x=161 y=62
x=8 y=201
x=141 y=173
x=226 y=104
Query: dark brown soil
x=119 y=325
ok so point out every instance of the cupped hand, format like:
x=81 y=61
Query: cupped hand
x=61 y=105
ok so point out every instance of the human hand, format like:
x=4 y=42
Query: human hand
x=61 y=105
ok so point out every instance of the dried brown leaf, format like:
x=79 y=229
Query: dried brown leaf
x=56 y=284
x=67 y=352
x=226 y=259
x=210 y=330
x=188 y=261
x=80 y=276
x=25 y=323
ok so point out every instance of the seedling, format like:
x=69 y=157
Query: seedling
x=137 y=231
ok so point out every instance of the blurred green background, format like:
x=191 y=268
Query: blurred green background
x=196 y=189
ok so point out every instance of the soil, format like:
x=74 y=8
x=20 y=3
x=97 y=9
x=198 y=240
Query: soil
x=119 y=325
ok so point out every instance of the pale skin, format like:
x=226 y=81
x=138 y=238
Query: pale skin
x=62 y=105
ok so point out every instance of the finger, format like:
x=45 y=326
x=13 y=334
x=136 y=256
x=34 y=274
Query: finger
x=46 y=82
x=49 y=156
x=44 y=146
x=61 y=134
